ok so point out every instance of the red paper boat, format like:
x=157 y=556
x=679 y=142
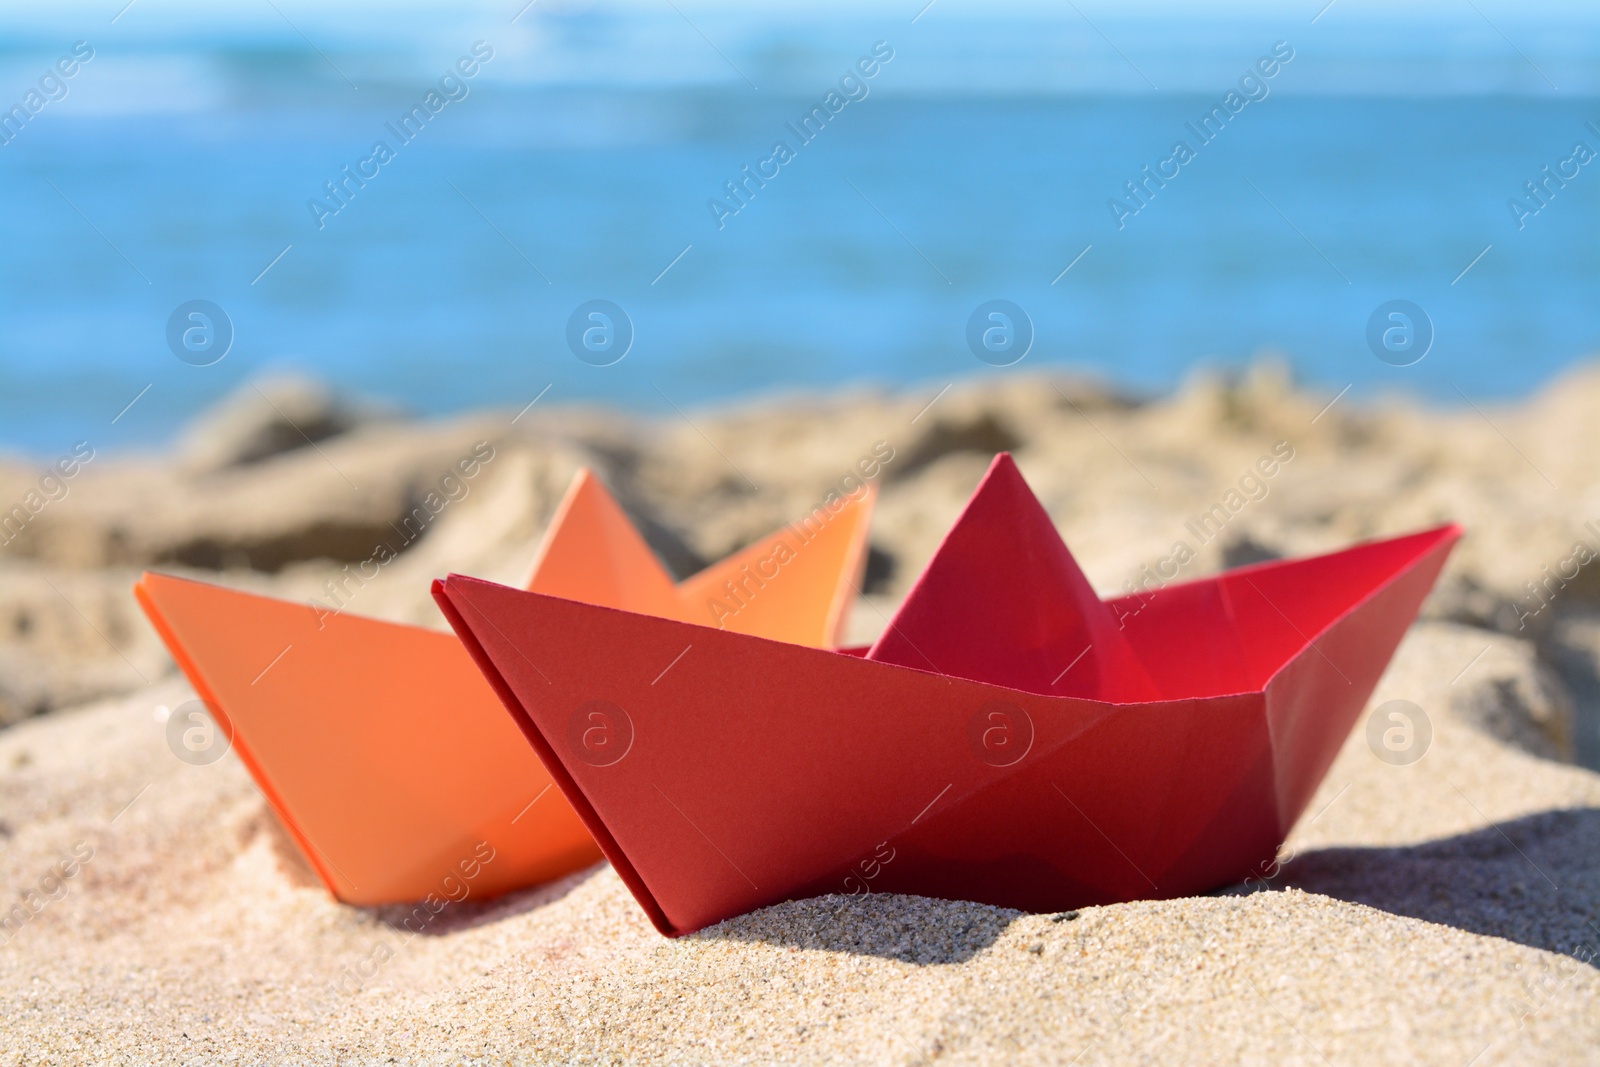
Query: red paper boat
x=942 y=762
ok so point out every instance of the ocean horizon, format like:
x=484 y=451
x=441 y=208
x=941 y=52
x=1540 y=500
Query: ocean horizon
x=633 y=158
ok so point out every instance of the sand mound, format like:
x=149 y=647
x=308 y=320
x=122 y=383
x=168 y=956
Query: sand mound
x=1442 y=911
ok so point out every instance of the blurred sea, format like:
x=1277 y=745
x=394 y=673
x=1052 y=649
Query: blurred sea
x=978 y=165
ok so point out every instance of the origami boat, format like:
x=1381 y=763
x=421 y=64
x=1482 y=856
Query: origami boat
x=1010 y=739
x=380 y=747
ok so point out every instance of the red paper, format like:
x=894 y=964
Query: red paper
x=753 y=771
x=968 y=616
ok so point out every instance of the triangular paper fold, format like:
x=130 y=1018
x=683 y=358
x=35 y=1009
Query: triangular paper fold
x=796 y=584
x=593 y=553
x=744 y=772
x=1003 y=601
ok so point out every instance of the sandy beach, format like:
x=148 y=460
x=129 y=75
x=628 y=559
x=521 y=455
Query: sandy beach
x=1443 y=910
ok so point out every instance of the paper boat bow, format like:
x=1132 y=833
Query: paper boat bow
x=722 y=772
x=385 y=755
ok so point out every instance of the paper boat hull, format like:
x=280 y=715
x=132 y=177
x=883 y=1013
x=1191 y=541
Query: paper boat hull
x=379 y=746
x=722 y=773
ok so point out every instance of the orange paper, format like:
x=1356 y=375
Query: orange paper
x=380 y=747
x=794 y=585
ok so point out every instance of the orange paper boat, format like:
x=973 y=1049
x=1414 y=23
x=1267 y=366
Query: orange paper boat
x=383 y=752
x=1007 y=740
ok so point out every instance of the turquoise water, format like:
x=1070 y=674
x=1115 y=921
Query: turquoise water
x=978 y=163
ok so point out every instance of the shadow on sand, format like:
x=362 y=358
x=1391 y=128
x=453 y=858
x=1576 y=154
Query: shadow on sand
x=1533 y=880
x=468 y=913
x=919 y=930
